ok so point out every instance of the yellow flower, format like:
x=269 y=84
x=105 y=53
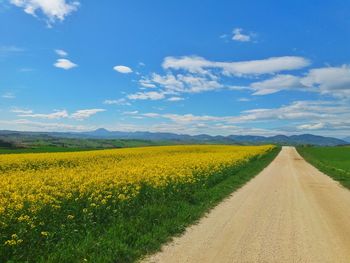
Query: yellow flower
x=44 y=233
x=33 y=182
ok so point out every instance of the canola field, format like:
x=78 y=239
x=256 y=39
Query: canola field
x=47 y=199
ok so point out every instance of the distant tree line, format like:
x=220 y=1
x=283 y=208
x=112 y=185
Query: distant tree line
x=5 y=144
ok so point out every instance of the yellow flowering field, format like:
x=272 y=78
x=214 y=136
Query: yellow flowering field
x=48 y=196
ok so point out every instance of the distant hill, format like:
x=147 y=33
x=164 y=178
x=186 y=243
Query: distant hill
x=185 y=138
x=347 y=139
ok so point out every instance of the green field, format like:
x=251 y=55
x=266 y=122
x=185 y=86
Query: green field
x=334 y=161
x=43 y=145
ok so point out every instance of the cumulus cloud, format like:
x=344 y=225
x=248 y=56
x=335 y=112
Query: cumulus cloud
x=53 y=10
x=65 y=64
x=122 y=69
x=172 y=84
x=237 y=35
x=193 y=74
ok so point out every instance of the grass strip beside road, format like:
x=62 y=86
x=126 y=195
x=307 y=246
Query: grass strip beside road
x=333 y=161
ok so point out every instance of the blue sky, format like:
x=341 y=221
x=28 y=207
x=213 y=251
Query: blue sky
x=216 y=67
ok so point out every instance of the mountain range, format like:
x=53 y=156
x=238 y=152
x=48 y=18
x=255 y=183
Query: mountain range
x=185 y=138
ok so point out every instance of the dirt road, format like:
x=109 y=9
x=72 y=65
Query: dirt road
x=290 y=212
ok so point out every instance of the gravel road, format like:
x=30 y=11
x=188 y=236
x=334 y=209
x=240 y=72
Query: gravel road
x=290 y=212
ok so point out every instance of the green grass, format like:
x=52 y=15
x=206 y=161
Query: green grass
x=74 y=145
x=42 y=149
x=334 y=161
x=150 y=220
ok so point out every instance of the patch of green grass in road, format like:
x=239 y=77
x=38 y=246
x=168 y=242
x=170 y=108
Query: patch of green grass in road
x=334 y=161
x=150 y=220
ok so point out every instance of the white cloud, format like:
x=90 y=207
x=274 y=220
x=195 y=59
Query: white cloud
x=276 y=84
x=192 y=64
x=152 y=95
x=84 y=114
x=270 y=65
x=315 y=126
x=244 y=99
x=239 y=36
x=61 y=52
x=130 y=112
x=50 y=116
x=299 y=115
x=21 y=111
x=175 y=99
x=8 y=95
x=6 y=50
x=179 y=83
x=146 y=83
x=193 y=74
x=330 y=80
x=58 y=114
x=122 y=69
x=54 y=115
x=65 y=64
x=26 y=70
x=24 y=124
x=121 y=101
x=53 y=10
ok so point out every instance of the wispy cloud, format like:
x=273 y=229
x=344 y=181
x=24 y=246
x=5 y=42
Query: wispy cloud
x=175 y=99
x=54 y=115
x=8 y=95
x=195 y=64
x=58 y=114
x=24 y=124
x=21 y=111
x=8 y=50
x=61 y=52
x=84 y=114
x=121 y=101
x=152 y=95
x=300 y=115
x=333 y=81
